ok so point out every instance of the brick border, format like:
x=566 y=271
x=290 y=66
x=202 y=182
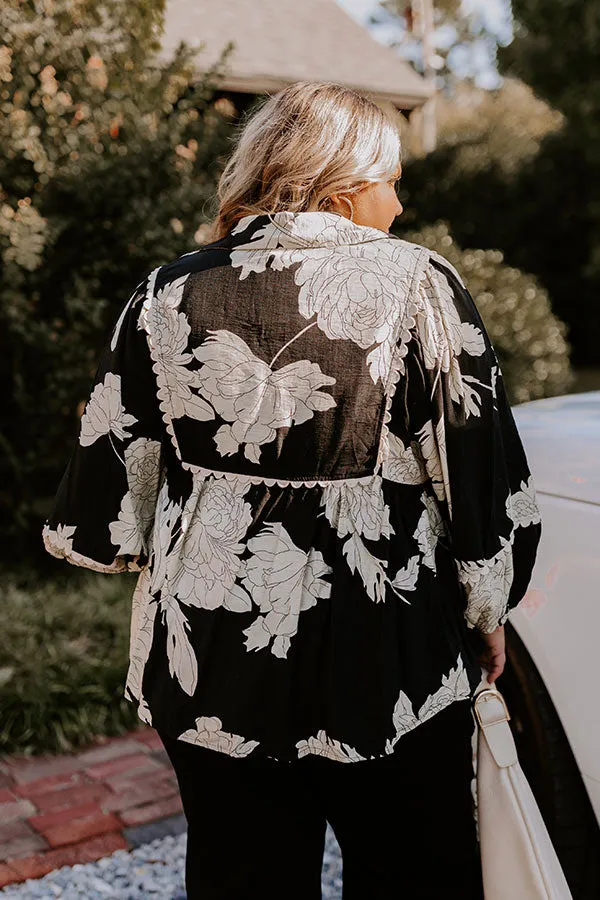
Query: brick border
x=76 y=808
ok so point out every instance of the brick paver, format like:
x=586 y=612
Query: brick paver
x=60 y=810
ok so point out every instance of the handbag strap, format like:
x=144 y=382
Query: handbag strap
x=492 y=714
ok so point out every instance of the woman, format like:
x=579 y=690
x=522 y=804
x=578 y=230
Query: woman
x=299 y=436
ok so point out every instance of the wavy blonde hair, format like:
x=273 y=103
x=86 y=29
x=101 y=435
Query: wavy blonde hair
x=304 y=143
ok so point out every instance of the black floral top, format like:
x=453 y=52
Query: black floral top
x=299 y=436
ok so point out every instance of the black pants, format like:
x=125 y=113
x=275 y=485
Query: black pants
x=404 y=822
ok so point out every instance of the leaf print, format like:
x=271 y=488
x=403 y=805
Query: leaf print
x=359 y=509
x=167 y=514
x=322 y=745
x=403 y=717
x=245 y=391
x=430 y=527
x=143 y=613
x=104 y=412
x=207 y=552
x=455 y=686
x=401 y=464
x=283 y=581
x=183 y=664
x=209 y=733
x=521 y=507
x=169 y=330
x=370 y=569
x=117 y=329
x=443 y=337
x=433 y=446
x=487 y=585
x=407 y=577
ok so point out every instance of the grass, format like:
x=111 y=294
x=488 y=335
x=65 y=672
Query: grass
x=63 y=660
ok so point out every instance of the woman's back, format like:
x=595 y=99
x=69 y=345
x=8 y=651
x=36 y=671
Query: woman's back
x=315 y=443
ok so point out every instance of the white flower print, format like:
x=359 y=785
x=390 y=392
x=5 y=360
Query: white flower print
x=245 y=391
x=209 y=733
x=455 y=686
x=521 y=507
x=283 y=581
x=357 y=508
x=207 y=552
x=322 y=745
x=487 y=585
x=131 y=530
x=353 y=294
x=401 y=464
x=170 y=330
x=355 y=297
x=104 y=412
x=430 y=527
x=124 y=531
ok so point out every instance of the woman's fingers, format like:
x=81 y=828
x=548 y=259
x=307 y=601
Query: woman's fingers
x=494 y=662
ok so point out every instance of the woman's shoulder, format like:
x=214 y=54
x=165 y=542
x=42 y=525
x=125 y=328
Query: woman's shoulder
x=435 y=263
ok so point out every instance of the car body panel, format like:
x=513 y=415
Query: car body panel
x=558 y=619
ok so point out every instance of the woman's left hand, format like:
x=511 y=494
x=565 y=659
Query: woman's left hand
x=493 y=657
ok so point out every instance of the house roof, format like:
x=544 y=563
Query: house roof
x=278 y=42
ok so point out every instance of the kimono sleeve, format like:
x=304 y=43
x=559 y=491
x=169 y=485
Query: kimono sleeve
x=457 y=415
x=103 y=512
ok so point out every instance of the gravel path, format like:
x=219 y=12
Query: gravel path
x=151 y=871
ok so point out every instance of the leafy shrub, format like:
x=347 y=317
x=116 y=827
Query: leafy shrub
x=528 y=338
x=106 y=171
x=63 y=660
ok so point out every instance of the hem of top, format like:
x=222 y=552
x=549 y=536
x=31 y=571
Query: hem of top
x=78 y=559
x=145 y=716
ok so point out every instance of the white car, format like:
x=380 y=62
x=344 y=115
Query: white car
x=552 y=677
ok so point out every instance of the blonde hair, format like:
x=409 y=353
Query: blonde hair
x=304 y=143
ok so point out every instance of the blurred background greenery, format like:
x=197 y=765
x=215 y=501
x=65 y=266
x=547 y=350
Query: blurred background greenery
x=110 y=157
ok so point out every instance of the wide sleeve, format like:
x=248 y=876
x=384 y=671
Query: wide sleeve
x=103 y=512
x=454 y=412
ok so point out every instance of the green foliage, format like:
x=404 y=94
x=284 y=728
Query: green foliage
x=555 y=50
x=529 y=340
x=63 y=660
x=108 y=163
x=541 y=209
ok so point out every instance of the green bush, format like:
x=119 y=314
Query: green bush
x=63 y=660
x=107 y=168
x=529 y=340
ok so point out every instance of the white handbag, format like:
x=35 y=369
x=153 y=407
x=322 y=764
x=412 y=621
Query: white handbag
x=518 y=859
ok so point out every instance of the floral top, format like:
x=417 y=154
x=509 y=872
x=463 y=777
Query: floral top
x=299 y=436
